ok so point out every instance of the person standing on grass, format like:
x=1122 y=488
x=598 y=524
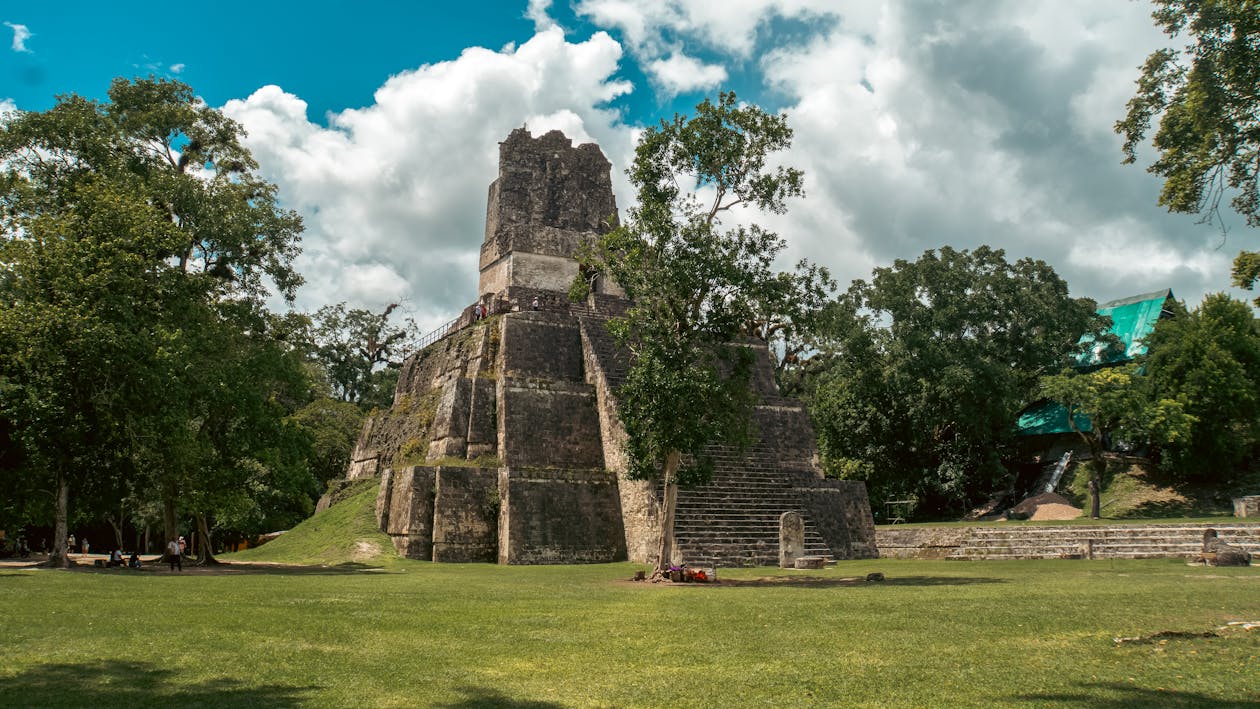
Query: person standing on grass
x=173 y=556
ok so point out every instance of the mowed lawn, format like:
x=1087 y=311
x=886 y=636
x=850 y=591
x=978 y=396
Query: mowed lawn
x=419 y=634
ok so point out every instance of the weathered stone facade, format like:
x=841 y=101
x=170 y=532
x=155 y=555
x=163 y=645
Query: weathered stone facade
x=503 y=442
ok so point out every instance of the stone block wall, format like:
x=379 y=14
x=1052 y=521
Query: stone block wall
x=410 y=521
x=559 y=517
x=466 y=514
x=542 y=345
x=443 y=391
x=549 y=197
x=1248 y=506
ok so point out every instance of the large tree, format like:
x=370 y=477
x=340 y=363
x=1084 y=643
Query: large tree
x=132 y=231
x=1206 y=97
x=360 y=352
x=1209 y=359
x=1117 y=403
x=695 y=283
x=927 y=366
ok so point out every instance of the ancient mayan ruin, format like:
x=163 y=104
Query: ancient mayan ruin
x=502 y=443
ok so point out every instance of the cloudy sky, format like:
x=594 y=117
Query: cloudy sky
x=919 y=123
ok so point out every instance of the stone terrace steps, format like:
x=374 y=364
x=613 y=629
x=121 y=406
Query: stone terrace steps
x=1109 y=542
x=612 y=358
x=734 y=520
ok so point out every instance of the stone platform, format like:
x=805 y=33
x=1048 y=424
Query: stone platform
x=1116 y=541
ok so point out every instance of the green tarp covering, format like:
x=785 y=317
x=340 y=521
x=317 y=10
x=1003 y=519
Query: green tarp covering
x=1132 y=320
x=1048 y=417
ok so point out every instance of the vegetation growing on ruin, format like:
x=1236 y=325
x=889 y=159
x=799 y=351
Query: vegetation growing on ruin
x=413 y=413
x=697 y=279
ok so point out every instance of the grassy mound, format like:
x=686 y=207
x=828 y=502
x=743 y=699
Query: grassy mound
x=345 y=533
x=1134 y=491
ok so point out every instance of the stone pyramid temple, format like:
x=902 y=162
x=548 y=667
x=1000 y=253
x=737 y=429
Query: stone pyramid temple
x=503 y=441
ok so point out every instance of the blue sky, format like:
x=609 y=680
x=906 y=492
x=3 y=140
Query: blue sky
x=919 y=123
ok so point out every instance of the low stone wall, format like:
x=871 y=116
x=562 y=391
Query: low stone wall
x=1103 y=541
x=920 y=542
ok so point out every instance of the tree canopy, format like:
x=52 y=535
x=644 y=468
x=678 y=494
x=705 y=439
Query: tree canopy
x=360 y=352
x=1119 y=406
x=136 y=249
x=1207 y=103
x=697 y=283
x=1209 y=359
x=928 y=364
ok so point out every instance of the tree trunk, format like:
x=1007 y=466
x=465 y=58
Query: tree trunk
x=170 y=528
x=117 y=525
x=205 y=557
x=1097 y=467
x=666 y=555
x=1097 y=464
x=1095 y=494
x=60 y=556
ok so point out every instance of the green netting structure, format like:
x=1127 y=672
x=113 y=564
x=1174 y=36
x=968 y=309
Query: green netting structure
x=1132 y=320
x=1048 y=417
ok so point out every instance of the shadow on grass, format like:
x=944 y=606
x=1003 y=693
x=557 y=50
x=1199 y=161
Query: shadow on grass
x=113 y=683
x=1104 y=695
x=236 y=568
x=824 y=582
x=482 y=698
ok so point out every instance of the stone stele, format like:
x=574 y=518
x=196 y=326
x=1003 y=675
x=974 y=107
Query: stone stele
x=503 y=442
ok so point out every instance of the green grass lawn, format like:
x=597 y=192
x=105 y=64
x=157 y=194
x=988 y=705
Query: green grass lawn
x=388 y=632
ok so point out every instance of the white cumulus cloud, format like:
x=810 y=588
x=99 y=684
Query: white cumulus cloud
x=21 y=33
x=679 y=73
x=538 y=11
x=394 y=194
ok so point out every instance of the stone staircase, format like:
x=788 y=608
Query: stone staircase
x=613 y=361
x=1153 y=541
x=734 y=520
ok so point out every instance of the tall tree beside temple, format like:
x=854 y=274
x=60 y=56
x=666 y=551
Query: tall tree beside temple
x=136 y=247
x=696 y=283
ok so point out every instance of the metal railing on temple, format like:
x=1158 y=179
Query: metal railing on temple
x=434 y=335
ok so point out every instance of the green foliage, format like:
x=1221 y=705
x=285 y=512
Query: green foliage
x=333 y=428
x=414 y=451
x=922 y=371
x=136 y=249
x=694 y=282
x=1210 y=360
x=360 y=352
x=1208 y=109
x=1119 y=404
